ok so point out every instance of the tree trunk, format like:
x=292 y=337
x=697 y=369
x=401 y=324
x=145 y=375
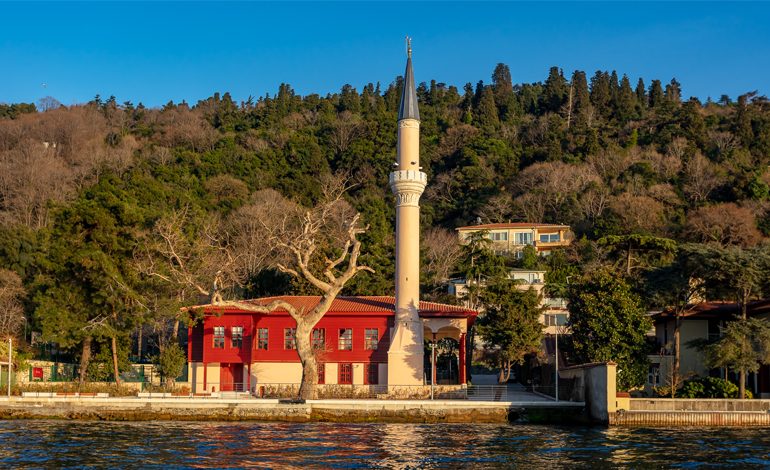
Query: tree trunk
x=139 y=343
x=175 y=331
x=677 y=353
x=628 y=260
x=742 y=384
x=307 y=389
x=85 y=359
x=115 y=361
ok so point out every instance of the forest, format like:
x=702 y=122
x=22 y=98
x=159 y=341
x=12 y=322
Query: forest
x=102 y=203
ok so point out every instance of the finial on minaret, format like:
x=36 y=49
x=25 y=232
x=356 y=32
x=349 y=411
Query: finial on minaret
x=409 y=47
x=408 y=108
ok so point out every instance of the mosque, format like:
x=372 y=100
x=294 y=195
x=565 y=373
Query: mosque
x=361 y=340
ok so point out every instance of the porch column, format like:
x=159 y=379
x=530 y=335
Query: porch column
x=462 y=375
x=248 y=380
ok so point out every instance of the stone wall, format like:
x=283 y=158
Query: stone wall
x=593 y=384
x=693 y=412
x=186 y=409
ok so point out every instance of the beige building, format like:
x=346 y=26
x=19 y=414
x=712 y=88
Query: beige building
x=512 y=237
x=702 y=321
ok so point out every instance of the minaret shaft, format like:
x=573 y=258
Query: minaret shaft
x=405 y=356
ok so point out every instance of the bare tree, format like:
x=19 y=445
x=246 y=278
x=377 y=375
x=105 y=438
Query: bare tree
x=319 y=245
x=726 y=224
x=701 y=177
x=638 y=213
x=345 y=129
x=442 y=253
x=497 y=210
x=11 y=310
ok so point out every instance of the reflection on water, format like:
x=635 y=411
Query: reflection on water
x=285 y=445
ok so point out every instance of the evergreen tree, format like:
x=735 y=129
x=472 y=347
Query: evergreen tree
x=555 y=91
x=656 y=94
x=609 y=324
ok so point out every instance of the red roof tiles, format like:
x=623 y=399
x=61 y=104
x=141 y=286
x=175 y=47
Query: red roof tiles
x=367 y=304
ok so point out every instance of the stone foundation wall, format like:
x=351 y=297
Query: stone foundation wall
x=116 y=409
x=689 y=418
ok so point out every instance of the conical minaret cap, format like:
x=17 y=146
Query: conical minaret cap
x=408 y=108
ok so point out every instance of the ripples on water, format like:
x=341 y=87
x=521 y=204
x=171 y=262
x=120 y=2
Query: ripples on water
x=85 y=444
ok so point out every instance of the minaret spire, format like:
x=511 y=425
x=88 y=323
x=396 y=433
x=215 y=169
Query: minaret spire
x=408 y=108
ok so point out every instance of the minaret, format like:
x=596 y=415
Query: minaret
x=405 y=356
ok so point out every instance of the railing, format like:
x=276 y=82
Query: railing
x=488 y=392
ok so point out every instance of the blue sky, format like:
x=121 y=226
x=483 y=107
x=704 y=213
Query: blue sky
x=155 y=52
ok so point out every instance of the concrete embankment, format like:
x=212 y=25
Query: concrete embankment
x=692 y=412
x=208 y=409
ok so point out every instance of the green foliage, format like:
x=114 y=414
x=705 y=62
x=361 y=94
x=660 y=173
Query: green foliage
x=744 y=345
x=170 y=361
x=510 y=323
x=609 y=324
x=709 y=387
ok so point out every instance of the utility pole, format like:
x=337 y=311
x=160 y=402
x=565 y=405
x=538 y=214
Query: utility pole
x=556 y=359
x=10 y=365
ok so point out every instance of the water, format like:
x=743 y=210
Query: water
x=88 y=444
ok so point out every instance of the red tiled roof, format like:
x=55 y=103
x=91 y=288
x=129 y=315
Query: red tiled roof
x=366 y=304
x=511 y=225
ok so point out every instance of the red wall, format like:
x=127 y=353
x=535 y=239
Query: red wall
x=276 y=323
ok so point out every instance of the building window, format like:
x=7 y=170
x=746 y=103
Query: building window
x=319 y=338
x=371 y=338
x=522 y=238
x=498 y=236
x=555 y=319
x=322 y=373
x=346 y=374
x=219 y=337
x=372 y=374
x=346 y=339
x=262 y=338
x=289 y=340
x=653 y=375
x=549 y=237
x=236 y=337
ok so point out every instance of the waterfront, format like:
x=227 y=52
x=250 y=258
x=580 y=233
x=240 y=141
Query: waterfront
x=31 y=443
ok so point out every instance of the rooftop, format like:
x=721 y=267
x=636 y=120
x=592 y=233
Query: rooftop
x=511 y=225
x=718 y=310
x=358 y=305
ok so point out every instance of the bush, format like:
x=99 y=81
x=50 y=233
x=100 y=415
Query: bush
x=709 y=387
x=170 y=362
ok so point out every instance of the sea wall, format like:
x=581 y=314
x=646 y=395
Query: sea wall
x=692 y=412
x=210 y=409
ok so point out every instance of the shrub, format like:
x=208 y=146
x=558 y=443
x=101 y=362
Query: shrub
x=709 y=387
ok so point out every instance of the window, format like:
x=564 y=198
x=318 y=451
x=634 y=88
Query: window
x=319 y=338
x=372 y=374
x=371 y=338
x=549 y=237
x=289 y=341
x=498 y=236
x=522 y=238
x=653 y=375
x=346 y=339
x=346 y=374
x=219 y=337
x=262 y=338
x=555 y=319
x=236 y=337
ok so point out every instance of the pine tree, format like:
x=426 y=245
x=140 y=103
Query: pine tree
x=600 y=92
x=555 y=91
x=656 y=94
